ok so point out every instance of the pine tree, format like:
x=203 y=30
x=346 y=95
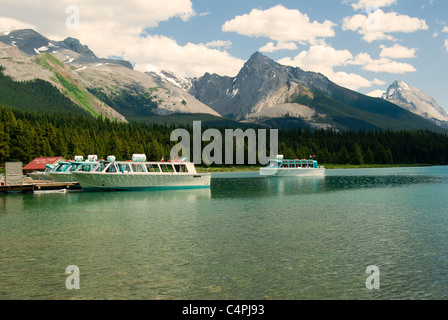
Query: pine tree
x=356 y=155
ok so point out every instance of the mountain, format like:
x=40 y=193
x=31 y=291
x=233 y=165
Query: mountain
x=416 y=101
x=266 y=92
x=105 y=87
x=32 y=43
x=262 y=89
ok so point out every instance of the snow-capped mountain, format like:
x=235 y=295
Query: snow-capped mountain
x=416 y=101
x=103 y=86
x=32 y=43
x=263 y=92
x=171 y=78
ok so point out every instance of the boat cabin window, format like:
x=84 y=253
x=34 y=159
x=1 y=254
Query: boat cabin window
x=167 y=168
x=61 y=167
x=138 y=167
x=180 y=168
x=100 y=167
x=124 y=167
x=86 y=167
x=112 y=168
x=152 y=167
x=73 y=167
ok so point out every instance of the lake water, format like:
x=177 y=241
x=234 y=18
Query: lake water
x=248 y=237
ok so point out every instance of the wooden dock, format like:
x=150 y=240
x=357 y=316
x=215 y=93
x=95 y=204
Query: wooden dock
x=40 y=185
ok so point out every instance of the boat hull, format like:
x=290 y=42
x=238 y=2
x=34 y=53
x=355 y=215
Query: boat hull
x=135 y=181
x=34 y=175
x=40 y=176
x=62 y=177
x=293 y=172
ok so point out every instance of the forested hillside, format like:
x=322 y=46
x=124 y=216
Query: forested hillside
x=26 y=135
x=35 y=95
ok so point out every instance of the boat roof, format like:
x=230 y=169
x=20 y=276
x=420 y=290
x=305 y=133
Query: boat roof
x=148 y=162
x=39 y=163
x=276 y=159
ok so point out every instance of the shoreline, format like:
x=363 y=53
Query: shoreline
x=327 y=166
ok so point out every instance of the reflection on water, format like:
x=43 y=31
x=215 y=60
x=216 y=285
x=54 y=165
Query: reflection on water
x=245 y=238
x=230 y=185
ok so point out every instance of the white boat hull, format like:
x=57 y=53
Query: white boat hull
x=34 y=175
x=142 y=181
x=292 y=172
x=40 y=176
x=62 y=177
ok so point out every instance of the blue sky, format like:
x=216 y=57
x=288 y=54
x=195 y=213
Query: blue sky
x=361 y=44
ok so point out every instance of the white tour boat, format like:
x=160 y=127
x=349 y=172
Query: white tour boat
x=63 y=172
x=299 y=167
x=139 y=174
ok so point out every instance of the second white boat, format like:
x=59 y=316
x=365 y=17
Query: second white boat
x=280 y=167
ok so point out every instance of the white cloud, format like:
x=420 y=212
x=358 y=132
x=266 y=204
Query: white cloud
x=388 y=66
x=225 y=44
x=323 y=58
x=444 y=30
x=379 y=25
x=376 y=93
x=349 y=80
x=364 y=4
x=430 y=2
x=271 y=47
x=163 y=53
x=381 y=65
x=9 y=24
x=397 y=52
x=378 y=82
x=320 y=58
x=446 y=45
x=116 y=15
x=115 y=28
x=279 y=24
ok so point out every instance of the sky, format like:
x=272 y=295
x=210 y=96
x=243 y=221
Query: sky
x=363 y=45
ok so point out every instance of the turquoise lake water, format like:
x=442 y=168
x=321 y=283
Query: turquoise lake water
x=248 y=237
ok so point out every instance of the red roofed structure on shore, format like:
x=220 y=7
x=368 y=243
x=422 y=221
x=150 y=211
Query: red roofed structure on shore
x=38 y=164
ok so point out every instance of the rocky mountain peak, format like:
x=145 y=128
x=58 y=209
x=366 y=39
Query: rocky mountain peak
x=261 y=77
x=27 y=40
x=416 y=101
x=258 y=58
x=76 y=46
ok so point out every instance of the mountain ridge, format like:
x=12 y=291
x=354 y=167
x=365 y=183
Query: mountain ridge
x=263 y=92
x=266 y=90
x=102 y=85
